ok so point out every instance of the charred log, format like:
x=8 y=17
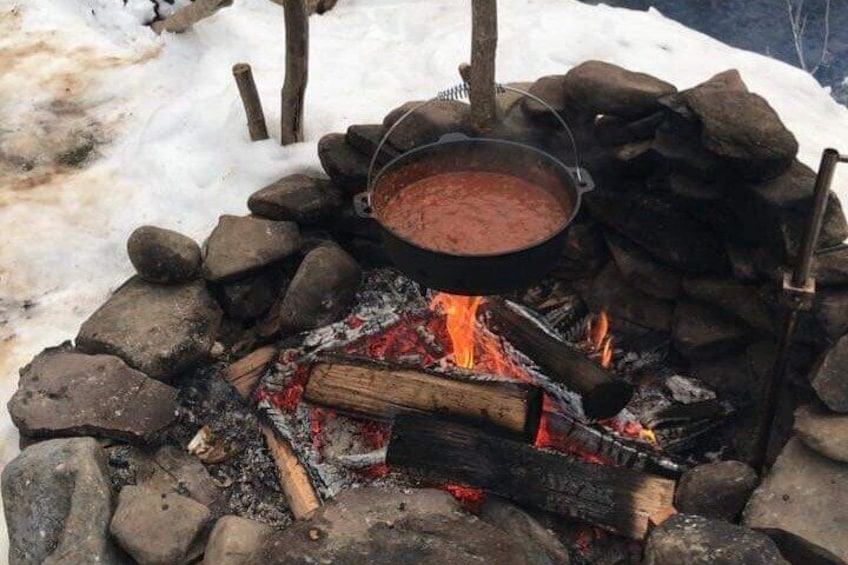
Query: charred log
x=603 y=394
x=380 y=391
x=617 y=499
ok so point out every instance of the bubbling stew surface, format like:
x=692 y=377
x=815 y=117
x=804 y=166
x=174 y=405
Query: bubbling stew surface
x=471 y=212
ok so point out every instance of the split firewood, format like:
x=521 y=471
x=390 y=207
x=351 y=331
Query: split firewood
x=379 y=391
x=245 y=373
x=189 y=15
x=617 y=499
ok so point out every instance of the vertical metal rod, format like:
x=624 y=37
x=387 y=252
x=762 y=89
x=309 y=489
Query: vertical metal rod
x=800 y=276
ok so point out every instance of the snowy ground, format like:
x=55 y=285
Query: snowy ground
x=171 y=146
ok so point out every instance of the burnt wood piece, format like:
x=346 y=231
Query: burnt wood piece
x=616 y=499
x=604 y=395
x=245 y=373
x=380 y=391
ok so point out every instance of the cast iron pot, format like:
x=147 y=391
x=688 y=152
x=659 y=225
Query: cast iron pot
x=479 y=274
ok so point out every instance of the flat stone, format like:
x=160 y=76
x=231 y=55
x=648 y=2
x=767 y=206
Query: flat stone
x=745 y=302
x=174 y=471
x=643 y=271
x=551 y=89
x=716 y=490
x=163 y=256
x=239 y=246
x=234 y=541
x=346 y=167
x=64 y=393
x=803 y=504
x=251 y=297
x=695 y=540
x=383 y=526
x=830 y=376
x=659 y=227
x=428 y=123
x=744 y=131
x=739 y=376
x=322 y=290
x=297 y=198
x=159 y=528
x=609 y=291
x=613 y=130
x=365 y=138
x=823 y=430
x=727 y=80
x=58 y=501
x=534 y=538
x=159 y=330
x=601 y=88
x=701 y=333
x=830 y=266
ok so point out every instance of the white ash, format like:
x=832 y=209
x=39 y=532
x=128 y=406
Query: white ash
x=688 y=390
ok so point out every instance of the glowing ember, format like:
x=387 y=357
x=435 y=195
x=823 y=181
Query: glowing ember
x=470 y=499
x=648 y=435
x=461 y=314
x=598 y=330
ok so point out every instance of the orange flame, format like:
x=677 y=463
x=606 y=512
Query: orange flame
x=461 y=312
x=606 y=353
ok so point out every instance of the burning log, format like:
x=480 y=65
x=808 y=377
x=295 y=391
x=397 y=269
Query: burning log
x=620 y=500
x=244 y=373
x=603 y=394
x=382 y=392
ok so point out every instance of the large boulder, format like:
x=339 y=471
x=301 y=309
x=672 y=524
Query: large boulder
x=385 y=527
x=159 y=330
x=823 y=431
x=695 y=540
x=240 y=246
x=64 y=393
x=715 y=490
x=596 y=87
x=158 y=528
x=322 y=290
x=830 y=376
x=803 y=504
x=58 y=501
x=297 y=198
x=163 y=256
x=234 y=541
x=428 y=123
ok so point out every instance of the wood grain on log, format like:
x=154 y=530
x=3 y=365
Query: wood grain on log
x=616 y=499
x=245 y=373
x=378 y=391
x=603 y=394
x=252 y=104
x=297 y=71
x=484 y=43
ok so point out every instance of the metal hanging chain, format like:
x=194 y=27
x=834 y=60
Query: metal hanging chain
x=461 y=92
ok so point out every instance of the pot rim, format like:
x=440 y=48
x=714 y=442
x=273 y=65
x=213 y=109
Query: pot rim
x=581 y=182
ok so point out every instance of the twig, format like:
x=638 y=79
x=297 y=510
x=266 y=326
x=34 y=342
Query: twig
x=250 y=98
x=297 y=71
x=189 y=15
x=484 y=43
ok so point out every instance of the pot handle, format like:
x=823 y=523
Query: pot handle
x=362 y=205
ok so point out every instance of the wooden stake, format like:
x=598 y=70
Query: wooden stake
x=297 y=71
x=378 y=391
x=250 y=98
x=187 y=16
x=617 y=499
x=484 y=43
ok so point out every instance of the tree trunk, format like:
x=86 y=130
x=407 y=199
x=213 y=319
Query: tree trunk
x=484 y=42
x=297 y=71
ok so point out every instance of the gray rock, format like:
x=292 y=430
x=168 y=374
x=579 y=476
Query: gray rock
x=739 y=376
x=830 y=267
x=613 y=130
x=803 y=504
x=716 y=490
x=643 y=271
x=745 y=302
x=320 y=293
x=700 y=333
x=601 y=88
x=823 y=430
x=694 y=540
x=551 y=89
x=534 y=538
x=346 y=167
x=238 y=246
x=234 y=541
x=158 y=528
x=64 y=393
x=251 y=297
x=163 y=256
x=744 y=132
x=365 y=138
x=428 y=123
x=58 y=501
x=159 y=330
x=385 y=527
x=610 y=292
x=723 y=81
x=174 y=471
x=830 y=376
x=297 y=198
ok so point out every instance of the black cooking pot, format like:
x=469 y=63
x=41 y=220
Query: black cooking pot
x=482 y=274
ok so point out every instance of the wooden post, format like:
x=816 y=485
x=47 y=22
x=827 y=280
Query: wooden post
x=484 y=43
x=250 y=98
x=297 y=71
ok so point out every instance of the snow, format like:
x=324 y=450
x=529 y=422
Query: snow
x=172 y=142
